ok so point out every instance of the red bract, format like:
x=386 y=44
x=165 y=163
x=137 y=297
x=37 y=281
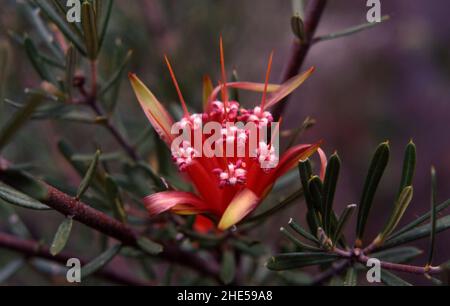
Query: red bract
x=227 y=188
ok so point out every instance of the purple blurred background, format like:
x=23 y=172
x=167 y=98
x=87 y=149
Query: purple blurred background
x=390 y=82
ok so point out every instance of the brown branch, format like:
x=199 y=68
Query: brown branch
x=32 y=248
x=81 y=212
x=300 y=49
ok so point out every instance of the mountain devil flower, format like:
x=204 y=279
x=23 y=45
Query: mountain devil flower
x=228 y=186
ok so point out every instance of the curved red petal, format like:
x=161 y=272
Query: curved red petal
x=174 y=200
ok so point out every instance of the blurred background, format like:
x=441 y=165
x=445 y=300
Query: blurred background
x=390 y=82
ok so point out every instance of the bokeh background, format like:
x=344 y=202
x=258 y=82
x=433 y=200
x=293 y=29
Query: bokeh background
x=390 y=82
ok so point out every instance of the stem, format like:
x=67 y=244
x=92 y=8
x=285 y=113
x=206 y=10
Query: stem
x=91 y=100
x=105 y=224
x=32 y=248
x=299 y=50
x=336 y=269
x=403 y=268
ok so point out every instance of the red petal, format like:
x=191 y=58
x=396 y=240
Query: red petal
x=242 y=204
x=287 y=88
x=178 y=201
x=155 y=112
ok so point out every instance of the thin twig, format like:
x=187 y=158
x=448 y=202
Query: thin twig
x=109 y=226
x=31 y=248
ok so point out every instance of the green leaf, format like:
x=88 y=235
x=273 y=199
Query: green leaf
x=391 y=279
x=295 y=278
x=61 y=236
x=302 y=246
x=299 y=260
x=71 y=64
x=420 y=220
x=432 y=217
x=105 y=23
x=228 y=268
x=316 y=190
x=302 y=232
x=376 y=170
x=342 y=222
x=275 y=209
x=409 y=167
x=398 y=255
x=417 y=233
x=36 y=59
x=305 y=171
x=18 y=120
x=115 y=77
x=351 y=277
x=113 y=193
x=13 y=220
x=26 y=184
x=350 y=31
x=19 y=199
x=89 y=24
x=400 y=207
x=329 y=189
x=100 y=261
x=84 y=185
x=60 y=21
x=11 y=268
x=150 y=247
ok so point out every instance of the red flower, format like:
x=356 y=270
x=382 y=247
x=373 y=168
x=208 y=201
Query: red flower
x=227 y=188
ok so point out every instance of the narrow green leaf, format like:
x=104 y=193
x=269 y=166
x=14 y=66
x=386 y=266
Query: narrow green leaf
x=315 y=187
x=228 y=268
x=302 y=232
x=18 y=120
x=25 y=183
x=115 y=77
x=19 y=199
x=417 y=233
x=329 y=189
x=84 y=185
x=302 y=246
x=295 y=278
x=71 y=64
x=420 y=219
x=391 y=279
x=89 y=25
x=351 y=277
x=113 y=193
x=299 y=260
x=36 y=60
x=432 y=217
x=100 y=261
x=65 y=27
x=409 y=167
x=350 y=31
x=11 y=268
x=398 y=255
x=61 y=236
x=342 y=222
x=376 y=170
x=275 y=209
x=305 y=171
x=399 y=210
x=105 y=23
x=149 y=246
